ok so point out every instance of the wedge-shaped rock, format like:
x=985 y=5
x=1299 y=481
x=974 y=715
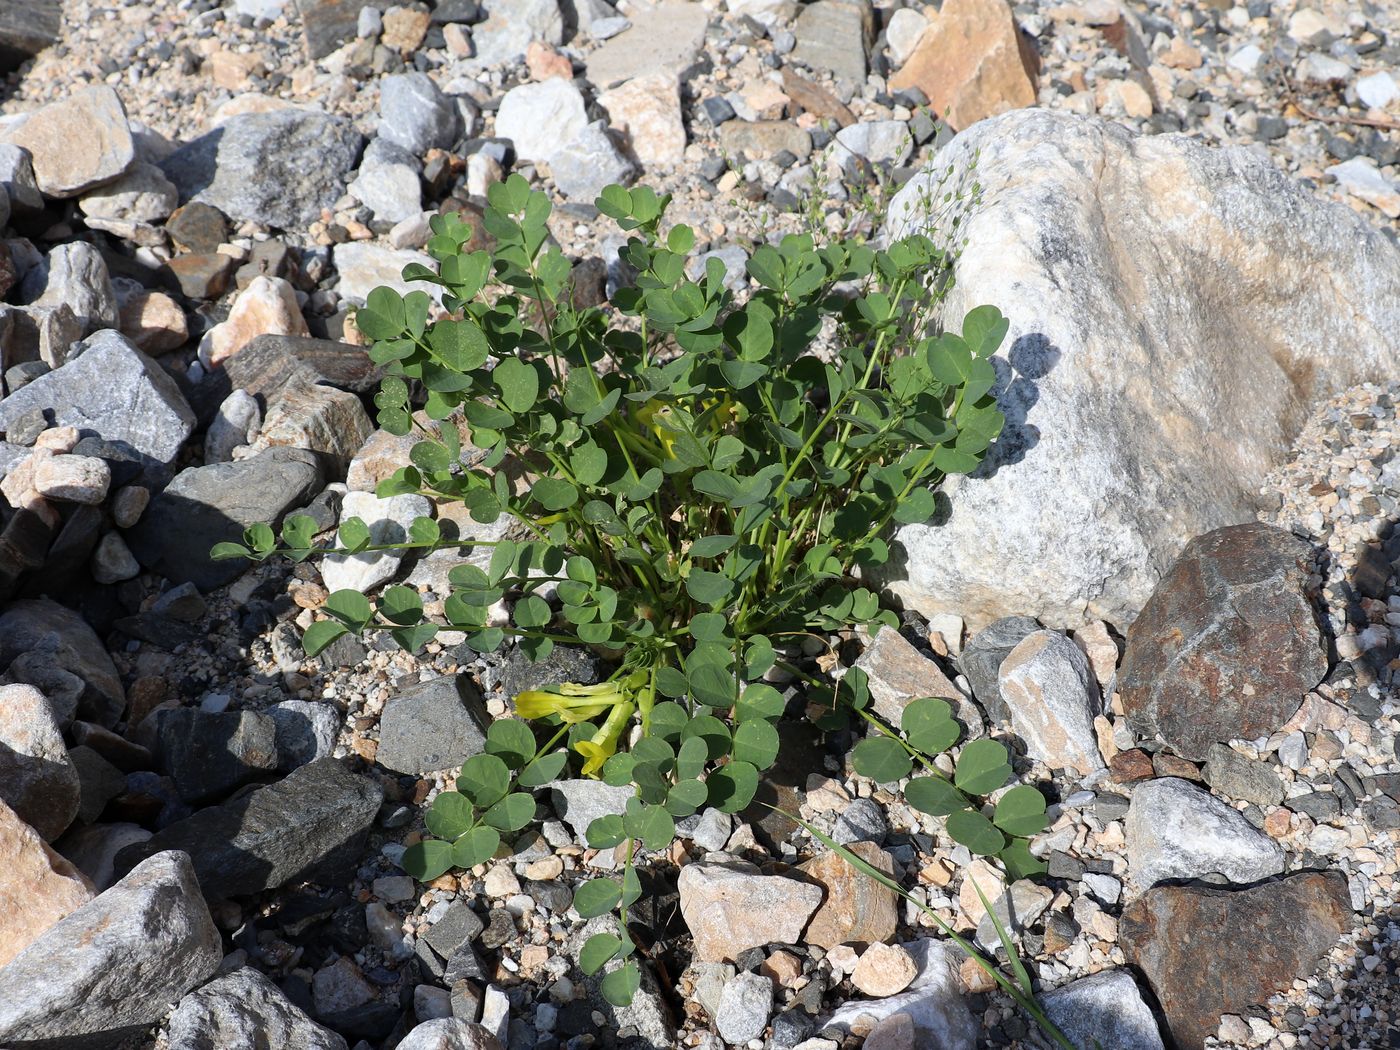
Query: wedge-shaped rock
x=730 y=905
x=37 y=886
x=244 y=1008
x=1178 y=831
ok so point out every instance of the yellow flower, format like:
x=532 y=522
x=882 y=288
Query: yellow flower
x=573 y=703
x=603 y=745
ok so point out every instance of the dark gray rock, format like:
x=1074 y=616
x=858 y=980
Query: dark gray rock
x=305 y=732
x=862 y=821
x=210 y=754
x=118 y=393
x=981 y=659
x=432 y=725
x=245 y=1009
x=565 y=663
x=207 y=505
x=279 y=169
x=1321 y=806
x=326 y=24
x=1235 y=776
x=113 y=967
x=99 y=782
x=67 y=642
x=312 y=821
x=459 y=925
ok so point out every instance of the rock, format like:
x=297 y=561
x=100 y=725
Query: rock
x=64 y=640
x=93 y=849
x=729 y=906
x=1275 y=934
x=885 y=142
x=982 y=657
x=1229 y=643
x=587 y=163
x=42 y=333
x=883 y=970
x=93 y=116
x=75 y=275
x=580 y=802
x=388 y=520
x=112 y=560
x=861 y=821
x=415 y=114
x=1067 y=199
x=1377 y=90
x=1049 y=688
x=648 y=111
x=143 y=194
x=209 y=754
x=117 y=391
x=448 y=1034
x=253 y=168
x=202 y=276
x=663 y=39
x=197 y=227
x=506 y=35
x=99 y=782
x=744 y=1006
x=326 y=24
x=38 y=887
x=833 y=36
x=391 y=191
x=931 y=1013
x=245 y=1009
x=1017 y=910
x=210 y=504
x=236 y=424
x=855 y=908
x=305 y=731
x=898 y=673
x=268 y=306
x=340 y=987
x=1107 y=1007
x=73 y=479
x=903 y=33
x=541 y=118
x=972 y=63
x=17 y=178
x=1362 y=179
x=433 y=725
x=1235 y=776
x=363 y=267
x=116 y=964
x=405 y=27
x=37 y=779
x=262 y=839
x=319 y=419
x=154 y=323
x=1176 y=830
x=764 y=138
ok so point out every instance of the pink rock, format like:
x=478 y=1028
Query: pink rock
x=268 y=306
x=37 y=886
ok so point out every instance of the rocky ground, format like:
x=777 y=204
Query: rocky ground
x=197 y=196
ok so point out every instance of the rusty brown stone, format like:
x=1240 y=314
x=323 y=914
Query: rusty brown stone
x=857 y=909
x=1229 y=643
x=816 y=99
x=1165 y=765
x=1208 y=952
x=37 y=886
x=1128 y=767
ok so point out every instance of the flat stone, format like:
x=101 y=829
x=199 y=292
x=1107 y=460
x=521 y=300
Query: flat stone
x=415 y=114
x=210 y=754
x=197 y=227
x=1235 y=776
x=37 y=779
x=588 y=163
x=898 y=674
x=209 y=504
x=1048 y=686
x=886 y=142
x=364 y=267
x=833 y=36
x=339 y=987
x=37 y=888
x=142 y=194
x=64 y=640
x=326 y=24
x=320 y=419
x=580 y=802
x=762 y=139
x=432 y=725
x=1176 y=830
x=117 y=391
x=73 y=479
x=154 y=322
x=1107 y=1007
x=1207 y=952
x=1362 y=179
x=1076 y=199
x=744 y=1007
x=93 y=116
x=855 y=908
x=540 y=118
x=664 y=39
x=393 y=192
x=730 y=906
x=245 y=1009
x=254 y=167
x=116 y=964
x=317 y=815
x=1228 y=645
x=510 y=28
x=647 y=110
x=204 y=276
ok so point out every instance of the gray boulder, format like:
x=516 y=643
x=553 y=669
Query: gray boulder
x=1155 y=287
x=279 y=169
x=432 y=725
x=119 y=393
x=114 y=966
x=1176 y=830
x=75 y=275
x=245 y=1009
x=1107 y=1007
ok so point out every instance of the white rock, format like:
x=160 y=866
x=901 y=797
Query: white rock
x=729 y=905
x=1246 y=59
x=1317 y=68
x=73 y=479
x=75 y=275
x=933 y=1007
x=648 y=111
x=451 y=1033
x=268 y=306
x=883 y=970
x=905 y=30
x=236 y=423
x=1107 y=1007
x=364 y=266
x=37 y=778
x=512 y=26
x=143 y=194
x=415 y=114
x=392 y=191
x=744 y=1006
x=1106 y=252
x=1176 y=830
x=388 y=521
x=1362 y=179
x=589 y=162
x=878 y=141
x=541 y=118
x=1377 y=90
x=1049 y=688
x=483 y=172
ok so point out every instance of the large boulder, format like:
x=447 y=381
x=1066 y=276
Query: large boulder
x=1176 y=311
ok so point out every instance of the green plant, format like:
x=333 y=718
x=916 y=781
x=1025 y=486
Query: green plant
x=706 y=478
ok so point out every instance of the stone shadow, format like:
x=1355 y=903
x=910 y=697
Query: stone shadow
x=1030 y=359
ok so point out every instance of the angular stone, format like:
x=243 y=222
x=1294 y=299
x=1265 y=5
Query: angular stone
x=154 y=323
x=931 y=1013
x=41 y=333
x=433 y=725
x=1176 y=830
x=143 y=194
x=663 y=39
x=117 y=391
x=972 y=63
x=326 y=24
x=37 y=779
x=1077 y=198
x=215 y=503
x=580 y=802
x=1229 y=643
x=541 y=118
x=99 y=782
x=389 y=521
x=74 y=275
x=513 y=25
x=885 y=142
x=833 y=36
x=73 y=479
x=92 y=116
x=204 y=276
x=1235 y=776
x=856 y=909
x=254 y=168
x=730 y=906
x=268 y=306
x=305 y=732
x=648 y=111
x=116 y=964
x=209 y=754
x=93 y=849
x=197 y=227
x=37 y=888
x=1107 y=1007
x=393 y=192
x=588 y=163
x=363 y=267
x=317 y=815
x=1048 y=686
x=763 y=139
x=1207 y=952
x=744 y=1006
x=982 y=657
x=63 y=637
x=245 y=1009
x=449 y=1033
x=898 y=674
x=415 y=114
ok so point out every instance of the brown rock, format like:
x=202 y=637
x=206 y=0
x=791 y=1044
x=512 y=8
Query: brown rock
x=154 y=322
x=1128 y=767
x=233 y=70
x=648 y=111
x=1208 y=952
x=884 y=970
x=204 y=276
x=729 y=906
x=544 y=62
x=320 y=418
x=761 y=139
x=972 y=63
x=405 y=27
x=857 y=909
x=76 y=143
x=37 y=886
x=197 y=227
x=1229 y=643
x=1165 y=765
x=816 y=99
